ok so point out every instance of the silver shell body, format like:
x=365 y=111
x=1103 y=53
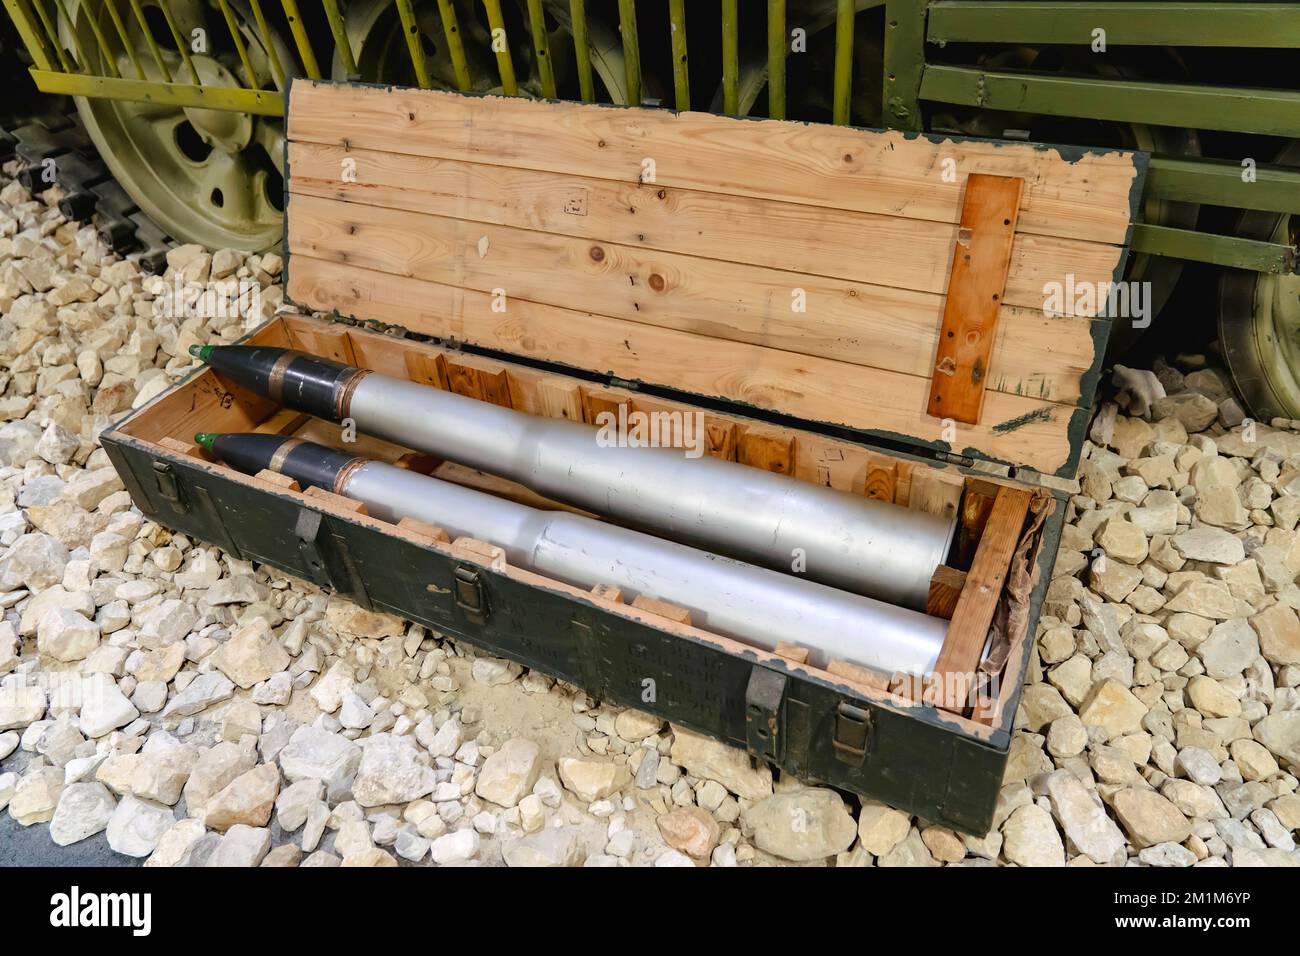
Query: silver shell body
x=848 y=541
x=731 y=598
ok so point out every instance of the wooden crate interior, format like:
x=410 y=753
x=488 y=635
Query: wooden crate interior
x=207 y=403
x=794 y=268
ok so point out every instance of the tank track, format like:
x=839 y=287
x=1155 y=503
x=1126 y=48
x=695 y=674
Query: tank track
x=90 y=192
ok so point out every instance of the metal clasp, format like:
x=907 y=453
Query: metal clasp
x=764 y=715
x=467 y=585
x=168 y=487
x=852 y=734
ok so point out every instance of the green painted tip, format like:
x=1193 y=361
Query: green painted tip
x=201 y=352
x=205 y=439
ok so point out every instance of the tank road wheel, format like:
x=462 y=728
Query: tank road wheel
x=213 y=177
x=379 y=47
x=1259 y=323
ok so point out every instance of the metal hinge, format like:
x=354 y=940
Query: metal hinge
x=852 y=734
x=616 y=382
x=467 y=585
x=764 y=717
x=168 y=487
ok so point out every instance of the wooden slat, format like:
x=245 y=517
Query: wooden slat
x=662 y=608
x=886 y=250
x=892 y=329
x=968 y=632
x=560 y=399
x=890 y=173
x=1018 y=428
x=768 y=449
x=945 y=589
x=976 y=284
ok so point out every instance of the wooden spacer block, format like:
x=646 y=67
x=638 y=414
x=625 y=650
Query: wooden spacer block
x=481 y=552
x=597 y=399
x=338 y=502
x=422 y=530
x=858 y=674
x=945 y=588
x=275 y=478
x=426 y=369
x=181 y=447
x=609 y=592
x=720 y=439
x=418 y=463
x=482 y=379
x=766 y=448
x=662 y=608
x=976 y=282
x=792 y=652
x=559 y=398
x=933 y=491
x=881 y=481
x=954 y=672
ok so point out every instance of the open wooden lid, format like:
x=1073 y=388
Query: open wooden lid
x=943 y=292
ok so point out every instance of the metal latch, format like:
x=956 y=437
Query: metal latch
x=168 y=488
x=764 y=716
x=852 y=734
x=467 y=585
x=329 y=561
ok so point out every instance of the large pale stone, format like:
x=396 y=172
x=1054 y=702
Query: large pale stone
x=801 y=825
x=137 y=825
x=1123 y=541
x=1029 y=838
x=345 y=616
x=161 y=774
x=251 y=655
x=242 y=846
x=1230 y=648
x=592 y=780
x=34 y=561
x=1278 y=629
x=104 y=707
x=1210 y=544
x=36 y=796
x=248 y=799
x=1149 y=818
x=213 y=770
x=1280 y=733
x=1211 y=698
x=175 y=846
x=1083 y=819
x=84 y=809
x=635 y=725
x=554 y=846
x=314 y=753
x=1113 y=707
x=66 y=635
x=21 y=703
x=692 y=830
x=881 y=828
x=201 y=693
x=391 y=772
x=713 y=760
x=509 y=774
